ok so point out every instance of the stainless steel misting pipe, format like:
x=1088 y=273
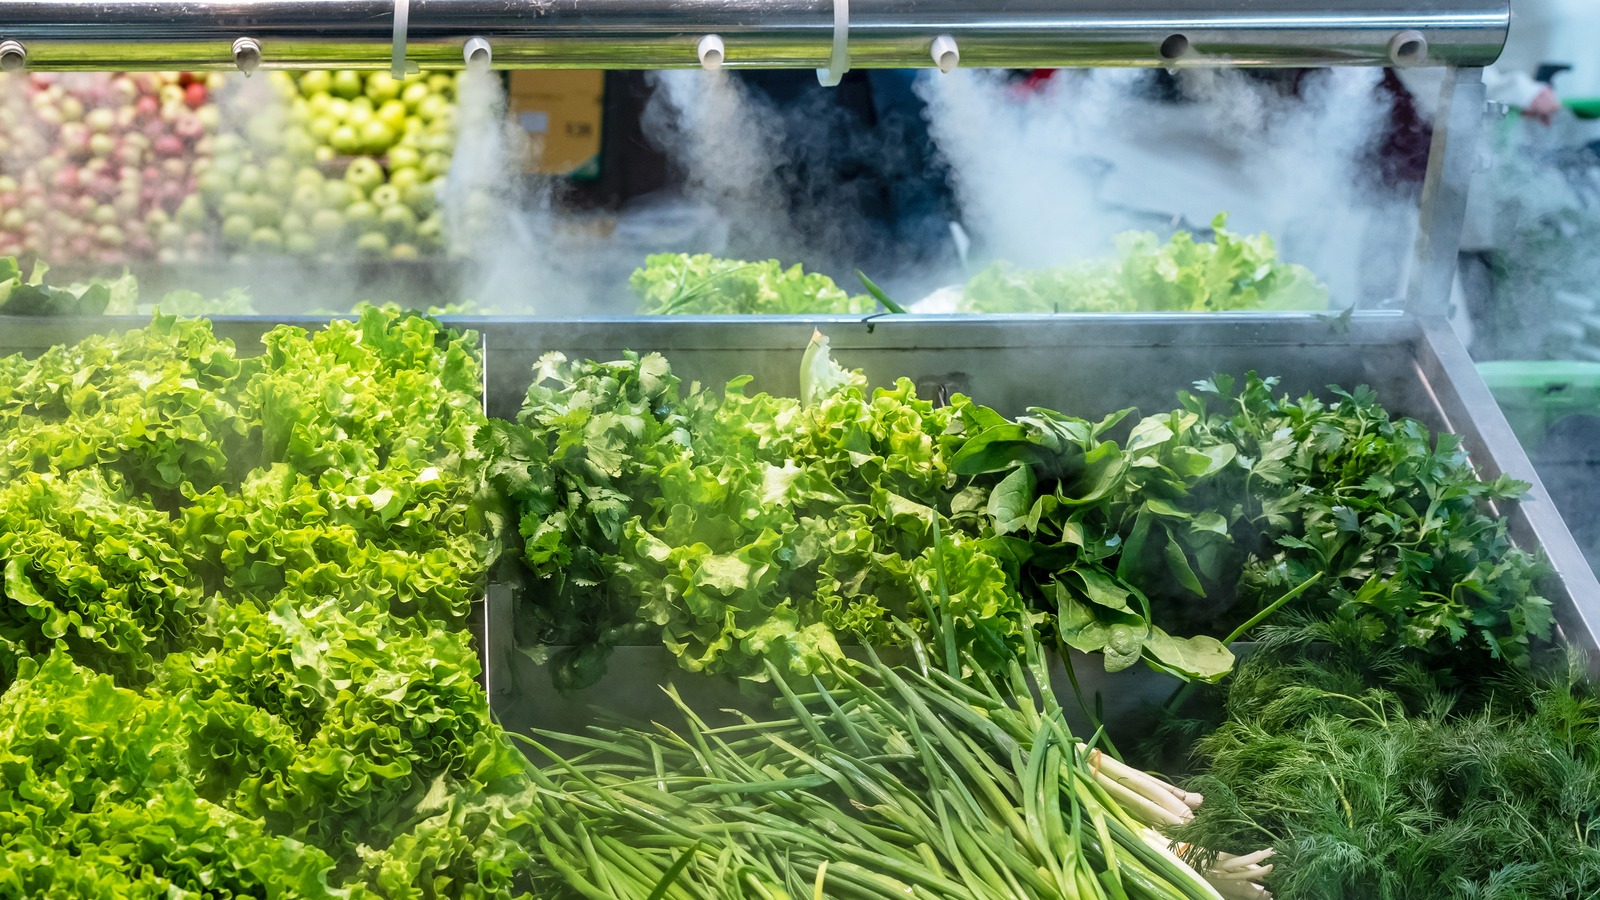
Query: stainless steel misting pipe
x=55 y=35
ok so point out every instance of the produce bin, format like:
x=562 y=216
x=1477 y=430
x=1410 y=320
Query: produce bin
x=1082 y=365
x=1085 y=365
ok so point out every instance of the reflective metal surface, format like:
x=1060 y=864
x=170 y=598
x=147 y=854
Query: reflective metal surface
x=638 y=34
x=1452 y=156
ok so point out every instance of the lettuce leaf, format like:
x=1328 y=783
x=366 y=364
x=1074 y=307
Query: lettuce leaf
x=705 y=285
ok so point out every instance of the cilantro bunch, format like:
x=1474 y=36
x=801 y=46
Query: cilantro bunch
x=1403 y=533
x=1207 y=518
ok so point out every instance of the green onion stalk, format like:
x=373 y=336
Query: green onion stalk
x=874 y=781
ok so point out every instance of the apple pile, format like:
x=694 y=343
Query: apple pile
x=94 y=167
x=329 y=164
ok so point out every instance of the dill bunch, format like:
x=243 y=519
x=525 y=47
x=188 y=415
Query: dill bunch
x=1374 y=776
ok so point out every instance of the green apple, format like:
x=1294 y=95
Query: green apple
x=298 y=144
x=376 y=137
x=316 y=81
x=403 y=156
x=279 y=172
x=266 y=240
x=364 y=173
x=292 y=223
x=327 y=225
x=171 y=234
x=266 y=209
x=405 y=251
x=436 y=164
x=250 y=178
x=283 y=83
x=322 y=128
x=228 y=144
x=346 y=83
x=361 y=216
x=236 y=230
x=307 y=199
x=345 y=140
x=431 y=230
x=191 y=212
x=385 y=195
x=413 y=94
x=432 y=106
x=363 y=107
x=402 y=177
x=372 y=243
x=213 y=184
x=318 y=103
x=338 y=108
x=393 y=114
x=265 y=133
x=398 y=221
x=422 y=197
x=381 y=86
x=309 y=175
x=235 y=203
x=324 y=154
x=301 y=244
x=338 y=194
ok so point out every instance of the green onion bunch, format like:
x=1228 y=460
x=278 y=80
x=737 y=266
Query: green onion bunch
x=880 y=781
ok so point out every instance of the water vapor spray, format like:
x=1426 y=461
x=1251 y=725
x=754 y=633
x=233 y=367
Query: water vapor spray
x=725 y=142
x=1051 y=176
x=495 y=219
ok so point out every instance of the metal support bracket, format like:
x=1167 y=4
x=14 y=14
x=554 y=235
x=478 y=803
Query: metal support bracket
x=399 y=67
x=1451 y=161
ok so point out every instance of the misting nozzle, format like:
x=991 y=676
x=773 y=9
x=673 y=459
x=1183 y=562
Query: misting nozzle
x=477 y=53
x=247 y=54
x=13 y=56
x=710 y=51
x=946 y=55
x=1408 y=48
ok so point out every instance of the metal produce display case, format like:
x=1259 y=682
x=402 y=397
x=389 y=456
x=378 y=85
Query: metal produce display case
x=1082 y=365
x=1085 y=365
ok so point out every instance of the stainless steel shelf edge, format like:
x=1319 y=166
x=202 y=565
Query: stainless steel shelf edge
x=1469 y=409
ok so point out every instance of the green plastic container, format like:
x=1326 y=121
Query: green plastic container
x=1585 y=107
x=1537 y=394
x=1554 y=407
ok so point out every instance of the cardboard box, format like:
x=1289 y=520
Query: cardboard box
x=562 y=111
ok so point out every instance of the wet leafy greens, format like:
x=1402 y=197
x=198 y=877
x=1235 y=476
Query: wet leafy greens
x=1374 y=776
x=1230 y=272
x=741 y=528
x=230 y=620
x=707 y=285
